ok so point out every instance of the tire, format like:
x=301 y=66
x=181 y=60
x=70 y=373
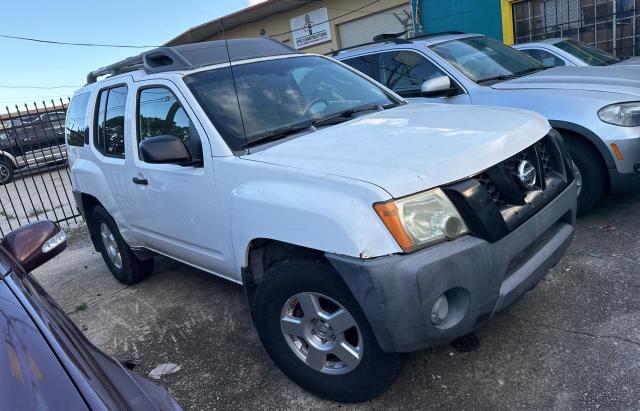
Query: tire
x=592 y=171
x=127 y=269
x=369 y=377
x=6 y=171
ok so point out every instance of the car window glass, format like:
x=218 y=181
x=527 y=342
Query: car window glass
x=160 y=113
x=110 y=121
x=76 y=123
x=272 y=96
x=544 y=57
x=363 y=64
x=484 y=58
x=587 y=53
x=405 y=71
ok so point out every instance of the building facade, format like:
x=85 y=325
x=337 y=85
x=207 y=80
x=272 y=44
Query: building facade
x=320 y=26
x=612 y=25
x=313 y=26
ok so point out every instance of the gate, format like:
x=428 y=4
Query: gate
x=34 y=177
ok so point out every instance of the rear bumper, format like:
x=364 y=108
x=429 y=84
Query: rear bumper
x=479 y=278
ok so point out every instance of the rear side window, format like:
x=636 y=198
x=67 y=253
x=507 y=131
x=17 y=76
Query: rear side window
x=405 y=71
x=364 y=64
x=109 y=129
x=544 y=57
x=76 y=124
x=160 y=113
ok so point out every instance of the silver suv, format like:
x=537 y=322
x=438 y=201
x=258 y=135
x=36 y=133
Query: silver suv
x=596 y=109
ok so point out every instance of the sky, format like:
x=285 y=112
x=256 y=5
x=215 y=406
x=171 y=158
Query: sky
x=132 y=22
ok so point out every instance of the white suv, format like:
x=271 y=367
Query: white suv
x=361 y=227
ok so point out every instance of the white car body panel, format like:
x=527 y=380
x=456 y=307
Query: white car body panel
x=414 y=147
x=324 y=183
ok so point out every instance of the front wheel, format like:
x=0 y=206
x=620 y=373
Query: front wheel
x=591 y=174
x=316 y=333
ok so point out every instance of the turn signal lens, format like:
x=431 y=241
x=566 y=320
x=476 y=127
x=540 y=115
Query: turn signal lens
x=388 y=212
x=615 y=148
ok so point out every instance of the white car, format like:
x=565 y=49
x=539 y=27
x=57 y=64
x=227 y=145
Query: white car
x=569 y=52
x=360 y=227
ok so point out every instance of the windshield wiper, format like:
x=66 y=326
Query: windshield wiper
x=347 y=114
x=530 y=70
x=278 y=134
x=497 y=78
x=310 y=125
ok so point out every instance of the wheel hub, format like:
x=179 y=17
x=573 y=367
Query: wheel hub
x=321 y=333
x=110 y=245
x=323 y=330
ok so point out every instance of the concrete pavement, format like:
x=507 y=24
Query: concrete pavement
x=571 y=343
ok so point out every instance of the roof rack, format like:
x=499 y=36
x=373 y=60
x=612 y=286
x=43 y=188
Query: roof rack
x=424 y=35
x=195 y=55
x=395 y=38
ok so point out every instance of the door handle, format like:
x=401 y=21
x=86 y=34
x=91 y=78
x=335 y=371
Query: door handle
x=141 y=181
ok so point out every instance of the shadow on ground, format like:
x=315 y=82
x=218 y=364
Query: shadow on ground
x=573 y=342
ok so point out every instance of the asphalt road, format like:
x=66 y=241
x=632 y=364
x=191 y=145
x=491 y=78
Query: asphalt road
x=571 y=343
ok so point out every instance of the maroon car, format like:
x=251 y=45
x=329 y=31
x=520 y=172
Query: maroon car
x=45 y=361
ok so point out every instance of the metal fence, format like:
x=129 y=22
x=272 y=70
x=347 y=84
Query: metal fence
x=610 y=25
x=34 y=177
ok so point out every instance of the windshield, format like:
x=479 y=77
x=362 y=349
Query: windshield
x=587 y=53
x=484 y=58
x=280 y=94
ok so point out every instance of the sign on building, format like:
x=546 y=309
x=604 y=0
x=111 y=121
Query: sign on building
x=310 y=28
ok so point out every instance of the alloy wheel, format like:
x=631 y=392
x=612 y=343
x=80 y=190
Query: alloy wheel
x=110 y=245
x=5 y=173
x=321 y=333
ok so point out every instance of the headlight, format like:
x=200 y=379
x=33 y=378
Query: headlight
x=421 y=219
x=623 y=114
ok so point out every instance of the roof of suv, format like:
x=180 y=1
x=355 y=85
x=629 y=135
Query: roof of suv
x=420 y=38
x=192 y=56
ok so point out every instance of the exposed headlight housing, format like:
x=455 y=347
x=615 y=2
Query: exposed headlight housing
x=421 y=219
x=622 y=114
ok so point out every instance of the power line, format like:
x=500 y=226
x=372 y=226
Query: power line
x=39 y=87
x=331 y=19
x=7 y=36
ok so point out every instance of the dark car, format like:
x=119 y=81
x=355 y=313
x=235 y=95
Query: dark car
x=45 y=361
x=33 y=141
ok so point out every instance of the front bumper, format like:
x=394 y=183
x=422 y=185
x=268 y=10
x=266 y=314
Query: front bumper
x=624 y=175
x=480 y=279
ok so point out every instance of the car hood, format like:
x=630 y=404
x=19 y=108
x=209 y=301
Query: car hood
x=610 y=79
x=633 y=61
x=413 y=147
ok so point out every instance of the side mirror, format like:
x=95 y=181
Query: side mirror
x=438 y=87
x=34 y=244
x=166 y=149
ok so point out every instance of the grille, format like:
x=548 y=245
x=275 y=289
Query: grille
x=495 y=202
x=540 y=155
x=544 y=157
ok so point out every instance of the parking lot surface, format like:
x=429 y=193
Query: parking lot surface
x=571 y=343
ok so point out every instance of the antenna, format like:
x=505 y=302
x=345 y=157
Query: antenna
x=233 y=78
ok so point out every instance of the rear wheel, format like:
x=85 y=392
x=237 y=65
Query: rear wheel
x=6 y=171
x=592 y=173
x=316 y=333
x=120 y=260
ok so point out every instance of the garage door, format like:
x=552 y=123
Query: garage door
x=362 y=30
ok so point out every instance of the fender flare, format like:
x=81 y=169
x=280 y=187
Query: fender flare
x=10 y=157
x=589 y=135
